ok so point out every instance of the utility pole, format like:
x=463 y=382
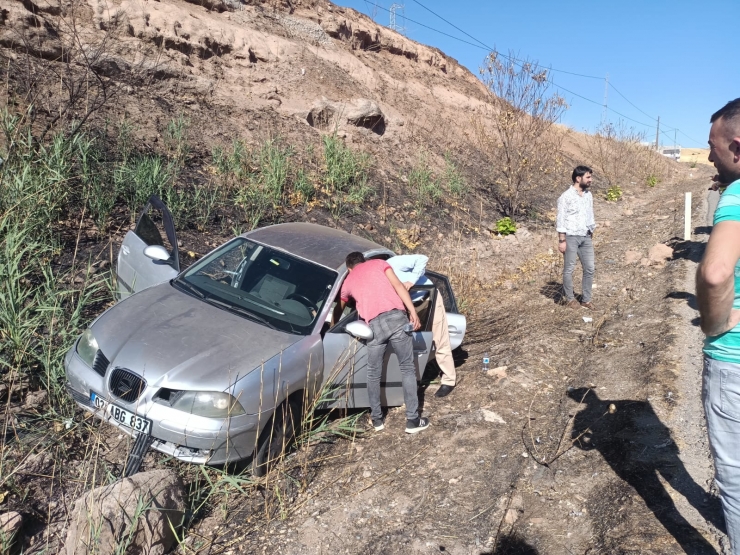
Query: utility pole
x=604 y=115
x=657 y=134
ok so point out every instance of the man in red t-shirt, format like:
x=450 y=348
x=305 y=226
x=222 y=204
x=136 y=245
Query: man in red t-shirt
x=382 y=301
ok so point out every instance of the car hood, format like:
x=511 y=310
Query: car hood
x=177 y=341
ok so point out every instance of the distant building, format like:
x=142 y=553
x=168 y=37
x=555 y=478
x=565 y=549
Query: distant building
x=671 y=152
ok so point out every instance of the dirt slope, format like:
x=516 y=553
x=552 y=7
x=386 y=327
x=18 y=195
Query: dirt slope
x=638 y=481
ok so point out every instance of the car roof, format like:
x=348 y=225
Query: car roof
x=317 y=243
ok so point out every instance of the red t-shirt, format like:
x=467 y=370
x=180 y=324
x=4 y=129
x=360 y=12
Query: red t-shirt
x=368 y=285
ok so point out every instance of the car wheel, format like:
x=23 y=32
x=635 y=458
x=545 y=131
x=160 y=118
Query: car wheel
x=277 y=436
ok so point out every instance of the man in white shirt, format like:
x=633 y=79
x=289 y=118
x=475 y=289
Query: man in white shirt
x=575 y=225
x=409 y=269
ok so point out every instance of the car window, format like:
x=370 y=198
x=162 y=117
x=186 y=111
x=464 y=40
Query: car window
x=255 y=280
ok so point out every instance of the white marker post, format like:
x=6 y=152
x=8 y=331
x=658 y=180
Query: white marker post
x=687 y=218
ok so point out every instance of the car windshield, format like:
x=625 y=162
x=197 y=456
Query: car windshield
x=262 y=284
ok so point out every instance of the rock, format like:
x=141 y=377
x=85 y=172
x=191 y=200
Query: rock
x=10 y=523
x=511 y=516
x=327 y=115
x=632 y=257
x=645 y=262
x=38 y=463
x=499 y=372
x=490 y=416
x=659 y=253
x=111 y=510
x=35 y=399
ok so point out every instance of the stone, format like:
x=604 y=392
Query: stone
x=35 y=399
x=111 y=511
x=659 y=253
x=490 y=416
x=632 y=257
x=498 y=372
x=10 y=523
x=361 y=112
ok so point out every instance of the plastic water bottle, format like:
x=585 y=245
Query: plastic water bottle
x=486 y=362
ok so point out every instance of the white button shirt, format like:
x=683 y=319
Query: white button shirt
x=575 y=213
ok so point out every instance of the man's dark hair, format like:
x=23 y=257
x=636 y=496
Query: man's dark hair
x=729 y=111
x=580 y=171
x=353 y=259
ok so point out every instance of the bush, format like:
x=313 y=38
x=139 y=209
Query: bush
x=505 y=226
x=423 y=184
x=345 y=176
x=517 y=132
x=614 y=193
x=262 y=193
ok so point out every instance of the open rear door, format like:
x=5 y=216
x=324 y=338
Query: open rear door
x=135 y=271
x=456 y=323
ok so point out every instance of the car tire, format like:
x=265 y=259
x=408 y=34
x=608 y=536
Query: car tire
x=278 y=435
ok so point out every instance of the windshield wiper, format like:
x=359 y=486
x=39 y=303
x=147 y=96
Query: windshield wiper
x=190 y=287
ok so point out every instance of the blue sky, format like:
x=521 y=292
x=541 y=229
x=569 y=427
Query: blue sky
x=672 y=59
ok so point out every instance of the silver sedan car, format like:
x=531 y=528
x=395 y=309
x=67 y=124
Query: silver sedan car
x=216 y=363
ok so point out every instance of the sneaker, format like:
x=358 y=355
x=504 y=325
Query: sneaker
x=378 y=424
x=417 y=425
x=572 y=304
x=588 y=305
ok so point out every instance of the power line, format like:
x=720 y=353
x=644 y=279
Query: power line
x=493 y=49
x=483 y=46
x=554 y=70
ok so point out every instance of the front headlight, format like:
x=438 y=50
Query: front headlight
x=87 y=347
x=211 y=404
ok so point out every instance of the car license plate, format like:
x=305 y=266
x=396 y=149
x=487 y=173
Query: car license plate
x=121 y=415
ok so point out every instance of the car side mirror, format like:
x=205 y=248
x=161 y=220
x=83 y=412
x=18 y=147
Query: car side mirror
x=360 y=330
x=157 y=253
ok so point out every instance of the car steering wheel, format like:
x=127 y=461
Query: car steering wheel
x=303 y=300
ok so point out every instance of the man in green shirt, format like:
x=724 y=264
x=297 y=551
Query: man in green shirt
x=718 y=295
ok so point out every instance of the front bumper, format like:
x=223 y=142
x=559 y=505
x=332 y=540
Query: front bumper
x=186 y=437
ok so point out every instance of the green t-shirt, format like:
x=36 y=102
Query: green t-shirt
x=726 y=347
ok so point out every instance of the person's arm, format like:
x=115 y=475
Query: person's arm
x=590 y=219
x=419 y=267
x=560 y=224
x=715 y=279
x=338 y=309
x=405 y=297
x=409 y=266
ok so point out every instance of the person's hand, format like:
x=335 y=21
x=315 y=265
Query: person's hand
x=408 y=285
x=716 y=183
x=562 y=246
x=414 y=319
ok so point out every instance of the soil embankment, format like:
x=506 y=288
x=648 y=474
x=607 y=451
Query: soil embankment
x=637 y=478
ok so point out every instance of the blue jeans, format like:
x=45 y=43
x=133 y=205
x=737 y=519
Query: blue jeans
x=721 y=397
x=583 y=247
x=388 y=328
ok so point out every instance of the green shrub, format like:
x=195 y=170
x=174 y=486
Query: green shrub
x=261 y=194
x=453 y=179
x=505 y=226
x=345 y=176
x=614 y=193
x=303 y=186
x=424 y=186
x=652 y=180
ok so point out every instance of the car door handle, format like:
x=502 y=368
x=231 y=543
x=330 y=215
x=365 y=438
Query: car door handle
x=125 y=250
x=453 y=330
